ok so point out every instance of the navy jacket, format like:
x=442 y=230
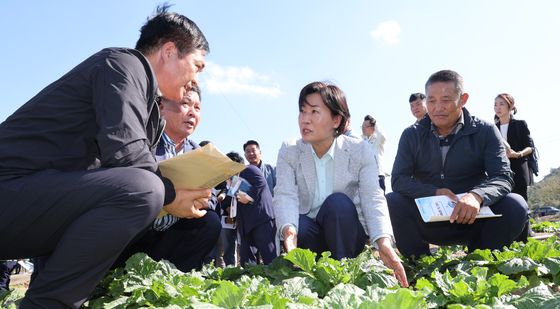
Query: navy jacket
x=260 y=210
x=476 y=162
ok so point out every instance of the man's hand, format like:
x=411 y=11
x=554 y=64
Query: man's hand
x=448 y=193
x=189 y=204
x=290 y=238
x=466 y=209
x=392 y=260
x=244 y=198
x=221 y=196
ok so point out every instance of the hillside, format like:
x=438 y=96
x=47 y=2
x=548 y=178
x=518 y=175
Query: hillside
x=546 y=191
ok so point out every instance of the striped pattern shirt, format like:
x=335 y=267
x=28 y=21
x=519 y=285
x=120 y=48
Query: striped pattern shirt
x=167 y=149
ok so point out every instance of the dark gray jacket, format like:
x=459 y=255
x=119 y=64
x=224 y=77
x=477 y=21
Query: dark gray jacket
x=103 y=113
x=476 y=162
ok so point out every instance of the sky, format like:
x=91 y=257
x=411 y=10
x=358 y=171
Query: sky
x=262 y=53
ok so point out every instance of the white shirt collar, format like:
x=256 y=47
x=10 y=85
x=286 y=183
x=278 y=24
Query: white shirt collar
x=329 y=153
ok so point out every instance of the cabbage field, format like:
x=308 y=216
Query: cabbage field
x=521 y=276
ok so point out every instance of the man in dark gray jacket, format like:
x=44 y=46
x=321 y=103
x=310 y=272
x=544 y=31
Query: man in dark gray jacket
x=78 y=179
x=448 y=153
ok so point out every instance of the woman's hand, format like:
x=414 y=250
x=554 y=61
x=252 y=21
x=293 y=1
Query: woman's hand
x=392 y=260
x=290 y=238
x=512 y=154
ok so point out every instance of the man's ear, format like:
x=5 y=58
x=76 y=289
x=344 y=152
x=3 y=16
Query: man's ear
x=167 y=50
x=463 y=99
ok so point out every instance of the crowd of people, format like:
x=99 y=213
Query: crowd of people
x=79 y=174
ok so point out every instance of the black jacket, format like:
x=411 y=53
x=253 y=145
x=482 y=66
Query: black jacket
x=518 y=138
x=260 y=210
x=476 y=162
x=103 y=113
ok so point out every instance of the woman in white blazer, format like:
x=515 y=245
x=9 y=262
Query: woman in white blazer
x=327 y=196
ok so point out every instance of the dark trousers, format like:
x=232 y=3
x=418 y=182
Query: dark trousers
x=520 y=187
x=6 y=268
x=262 y=238
x=185 y=244
x=413 y=235
x=336 y=229
x=81 y=221
x=228 y=245
x=520 y=177
x=382 y=182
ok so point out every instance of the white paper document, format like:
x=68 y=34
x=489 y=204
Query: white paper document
x=228 y=223
x=439 y=208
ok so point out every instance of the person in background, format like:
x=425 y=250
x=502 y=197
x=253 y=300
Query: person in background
x=255 y=219
x=418 y=105
x=254 y=157
x=348 y=130
x=375 y=137
x=448 y=153
x=215 y=253
x=77 y=172
x=184 y=241
x=519 y=146
x=327 y=197
x=227 y=245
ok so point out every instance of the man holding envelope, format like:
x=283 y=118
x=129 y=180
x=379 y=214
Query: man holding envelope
x=183 y=236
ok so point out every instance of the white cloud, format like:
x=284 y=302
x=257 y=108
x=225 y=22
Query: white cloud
x=238 y=80
x=387 y=31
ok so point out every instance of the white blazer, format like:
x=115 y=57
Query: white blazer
x=356 y=175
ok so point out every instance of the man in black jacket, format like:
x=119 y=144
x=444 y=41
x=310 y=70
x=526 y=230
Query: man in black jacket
x=448 y=153
x=78 y=179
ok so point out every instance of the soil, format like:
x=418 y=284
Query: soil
x=20 y=280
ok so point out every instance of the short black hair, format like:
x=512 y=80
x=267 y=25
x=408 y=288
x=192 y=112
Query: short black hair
x=371 y=120
x=236 y=157
x=446 y=76
x=196 y=89
x=166 y=27
x=416 y=96
x=333 y=97
x=204 y=143
x=251 y=142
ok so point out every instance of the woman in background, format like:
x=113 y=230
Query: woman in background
x=519 y=145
